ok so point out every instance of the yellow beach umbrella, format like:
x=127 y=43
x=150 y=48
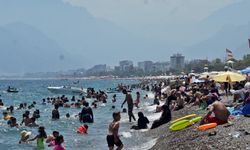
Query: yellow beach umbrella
x=229 y=77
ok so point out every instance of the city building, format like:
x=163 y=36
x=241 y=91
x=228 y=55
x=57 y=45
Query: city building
x=126 y=65
x=161 y=67
x=177 y=61
x=146 y=66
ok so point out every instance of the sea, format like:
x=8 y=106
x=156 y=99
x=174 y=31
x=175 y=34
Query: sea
x=36 y=90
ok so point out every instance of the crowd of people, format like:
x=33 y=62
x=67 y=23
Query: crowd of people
x=168 y=96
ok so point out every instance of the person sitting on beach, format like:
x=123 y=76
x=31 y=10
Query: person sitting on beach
x=58 y=143
x=141 y=123
x=179 y=104
x=218 y=113
x=113 y=129
x=165 y=117
x=158 y=108
x=40 y=137
x=55 y=113
x=156 y=100
x=51 y=138
x=171 y=97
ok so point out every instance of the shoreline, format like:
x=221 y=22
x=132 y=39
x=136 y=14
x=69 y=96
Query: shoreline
x=228 y=136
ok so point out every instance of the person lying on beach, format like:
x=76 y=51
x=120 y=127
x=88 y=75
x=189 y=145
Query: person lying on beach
x=217 y=113
x=141 y=123
x=165 y=117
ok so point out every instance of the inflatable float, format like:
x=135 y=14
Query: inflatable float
x=207 y=126
x=182 y=118
x=180 y=125
x=195 y=120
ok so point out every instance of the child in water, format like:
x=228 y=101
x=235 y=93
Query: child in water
x=40 y=137
x=59 y=140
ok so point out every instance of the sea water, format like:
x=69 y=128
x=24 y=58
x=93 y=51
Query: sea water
x=36 y=90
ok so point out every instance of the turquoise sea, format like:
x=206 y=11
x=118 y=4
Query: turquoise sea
x=36 y=90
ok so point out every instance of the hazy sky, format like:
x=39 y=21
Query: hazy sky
x=150 y=17
x=90 y=32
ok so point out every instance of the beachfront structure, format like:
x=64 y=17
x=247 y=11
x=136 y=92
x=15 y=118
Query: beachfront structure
x=161 y=67
x=126 y=65
x=146 y=66
x=177 y=61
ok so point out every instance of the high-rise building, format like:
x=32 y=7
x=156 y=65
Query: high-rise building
x=146 y=66
x=177 y=61
x=161 y=66
x=126 y=65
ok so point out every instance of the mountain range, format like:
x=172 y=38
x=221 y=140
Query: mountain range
x=51 y=35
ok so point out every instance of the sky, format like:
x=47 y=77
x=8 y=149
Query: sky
x=91 y=32
x=151 y=18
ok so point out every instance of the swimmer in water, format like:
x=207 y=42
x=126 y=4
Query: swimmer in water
x=51 y=138
x=40 y=137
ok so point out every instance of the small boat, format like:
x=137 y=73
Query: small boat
x=12 y=90
x=112 y=90
x=67 y=90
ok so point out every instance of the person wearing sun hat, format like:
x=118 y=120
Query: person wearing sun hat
x=24 y=136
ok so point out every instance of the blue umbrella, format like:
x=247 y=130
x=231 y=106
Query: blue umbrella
x=245 y=71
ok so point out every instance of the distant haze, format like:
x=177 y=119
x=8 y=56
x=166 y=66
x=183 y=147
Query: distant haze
x=53 y=35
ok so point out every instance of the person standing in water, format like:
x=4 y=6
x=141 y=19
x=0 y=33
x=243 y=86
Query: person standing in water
x=113 y=137
x=137 y=101
x=129 y=100
x=40 y=138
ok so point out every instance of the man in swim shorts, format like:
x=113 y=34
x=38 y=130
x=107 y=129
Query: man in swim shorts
x=129 y=100
x=218 y=113
x=113 y=137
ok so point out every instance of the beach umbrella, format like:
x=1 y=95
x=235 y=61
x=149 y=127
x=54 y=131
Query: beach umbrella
x=245 y=71
x=229 y=77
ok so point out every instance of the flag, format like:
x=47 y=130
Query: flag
x=229 y=54
x=249 y=42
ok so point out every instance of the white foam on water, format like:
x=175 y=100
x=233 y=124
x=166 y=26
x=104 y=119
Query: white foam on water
x=145 y=146
x=126 y=134
x=3 y=107
x=151 y=95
